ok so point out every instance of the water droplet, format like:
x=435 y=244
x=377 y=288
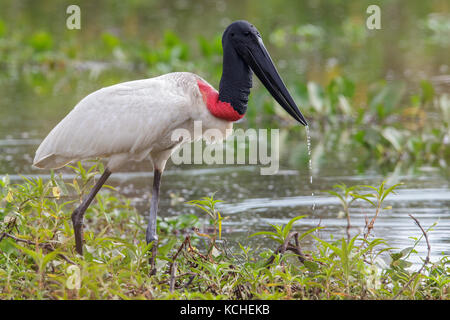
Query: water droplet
x=308 y=140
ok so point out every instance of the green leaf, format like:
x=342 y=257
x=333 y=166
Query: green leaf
x=334 y=193
x=364 y=197
x=289 y=225
x=41 y=41
x=427 y=91
x=396 y=256
x=395 y=137
x=48 y=257
x=304 y=234
x=329 y=246
x=2 y=28
x=406 y=251
x=264 y=233
x=390 y=190
x=33 y=254
x=311 y=266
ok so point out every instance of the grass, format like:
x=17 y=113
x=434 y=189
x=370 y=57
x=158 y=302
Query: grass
x=38 y=258
x=398 y=124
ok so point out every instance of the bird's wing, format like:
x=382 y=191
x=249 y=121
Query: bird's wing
x=124 y=118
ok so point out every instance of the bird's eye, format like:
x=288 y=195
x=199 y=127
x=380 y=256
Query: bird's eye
x=232 y=34
x=247 y=33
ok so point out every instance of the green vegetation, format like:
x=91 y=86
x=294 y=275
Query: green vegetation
x=376 y=101
x=38 y=258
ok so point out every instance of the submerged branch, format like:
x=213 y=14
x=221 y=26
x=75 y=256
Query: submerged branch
x=288 y=246
x=47 y=246
x=427 y=259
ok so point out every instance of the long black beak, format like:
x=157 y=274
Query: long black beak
x=262 y=65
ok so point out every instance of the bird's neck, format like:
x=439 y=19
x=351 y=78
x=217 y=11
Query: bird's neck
x=230 y=103
x=236 y=80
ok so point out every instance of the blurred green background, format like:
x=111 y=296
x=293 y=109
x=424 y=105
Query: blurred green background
x=383 y=92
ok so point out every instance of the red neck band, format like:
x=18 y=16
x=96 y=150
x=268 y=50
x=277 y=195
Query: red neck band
x=219 y=109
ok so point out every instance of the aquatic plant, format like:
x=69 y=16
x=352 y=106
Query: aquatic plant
x=38 y=259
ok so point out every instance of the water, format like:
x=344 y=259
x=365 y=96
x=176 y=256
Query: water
x=253 y=201
x=308 y=141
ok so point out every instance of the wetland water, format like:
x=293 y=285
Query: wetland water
x=252 y=201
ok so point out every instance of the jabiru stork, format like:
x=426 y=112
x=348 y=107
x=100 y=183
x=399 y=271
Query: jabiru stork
x=133 y=120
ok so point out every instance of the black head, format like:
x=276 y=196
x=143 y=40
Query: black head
x=245 y=39
x=240 y=33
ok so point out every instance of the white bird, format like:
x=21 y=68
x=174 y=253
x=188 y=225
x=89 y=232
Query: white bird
x=134 y=120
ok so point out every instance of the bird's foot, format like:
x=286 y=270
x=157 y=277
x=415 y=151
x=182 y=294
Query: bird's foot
x=152 y=261
x=78 y=232
x=77 y=221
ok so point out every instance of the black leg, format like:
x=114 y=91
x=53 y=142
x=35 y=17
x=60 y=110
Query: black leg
x=78 y=213
x=151 y=235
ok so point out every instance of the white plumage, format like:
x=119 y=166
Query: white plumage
x=129 y=121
